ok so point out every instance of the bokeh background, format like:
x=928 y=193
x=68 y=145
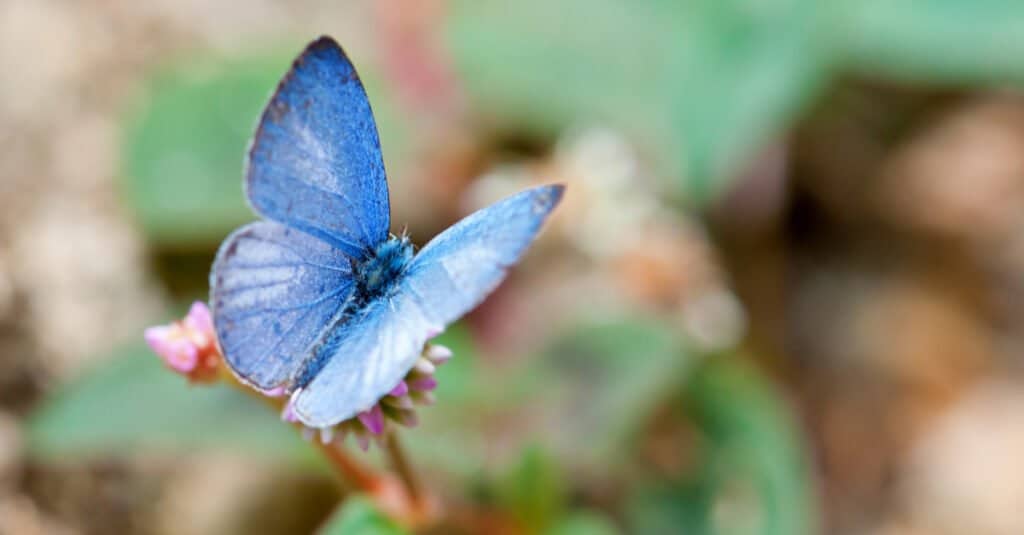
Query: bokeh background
x=782 y=296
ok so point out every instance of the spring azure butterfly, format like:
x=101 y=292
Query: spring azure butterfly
x=317 y=298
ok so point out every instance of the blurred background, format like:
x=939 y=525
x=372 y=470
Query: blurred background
x=783 y=294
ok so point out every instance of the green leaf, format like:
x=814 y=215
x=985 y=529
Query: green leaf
x=185 y=143
x=935 y=40
x=533 y=490
x=600 y=381
x=132 y=401
x=359 y=516
x=753 y=463
x=702 y=83
x=184 y=147
x=745 y=69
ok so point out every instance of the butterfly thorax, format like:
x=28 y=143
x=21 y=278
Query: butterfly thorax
x=376 y=272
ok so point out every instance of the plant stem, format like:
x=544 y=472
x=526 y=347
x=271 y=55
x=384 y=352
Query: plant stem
x=349 y=468
x=401 y=465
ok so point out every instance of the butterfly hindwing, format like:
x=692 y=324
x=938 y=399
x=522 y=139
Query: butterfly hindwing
x=315 y=162
x=274 y=291
x=366 y=357
x=371 y=352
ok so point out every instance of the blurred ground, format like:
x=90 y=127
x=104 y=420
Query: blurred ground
x=870 y=261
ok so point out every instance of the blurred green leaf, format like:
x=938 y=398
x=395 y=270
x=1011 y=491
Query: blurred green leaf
x=702 y=82
x=359 y=516
x=185 y=143
x=583 y=523
x=600 y=381
x=936 y=40
x=753 y=475
x=132 y=401
x=533 y=490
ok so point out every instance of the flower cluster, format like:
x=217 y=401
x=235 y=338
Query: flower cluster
x=189 y=347
x=398 y=405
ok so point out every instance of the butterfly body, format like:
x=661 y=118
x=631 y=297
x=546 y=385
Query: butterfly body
x=317 y=299
x=378 y=272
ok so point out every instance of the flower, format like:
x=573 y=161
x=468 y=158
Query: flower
x=188 y=346
x=397 y=406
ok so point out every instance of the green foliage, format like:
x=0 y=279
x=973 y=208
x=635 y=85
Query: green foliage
x=703 y=83
x=599 y=381
x=359 y=516
x=184 y=147
x=185 y=144
x=947 y=41
x=132 y=402
x=753 y=475
x=533 y=490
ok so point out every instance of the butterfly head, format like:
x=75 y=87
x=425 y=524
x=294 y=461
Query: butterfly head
x=375 y=273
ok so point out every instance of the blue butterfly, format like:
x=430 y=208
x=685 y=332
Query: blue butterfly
x=318 y=299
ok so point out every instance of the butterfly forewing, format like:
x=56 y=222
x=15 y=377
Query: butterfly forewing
x=315 y=162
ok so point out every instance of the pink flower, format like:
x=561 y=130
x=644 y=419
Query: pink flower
x=188 y=346
x=398 y=406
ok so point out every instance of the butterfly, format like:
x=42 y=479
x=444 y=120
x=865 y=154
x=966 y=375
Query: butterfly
x=317 y=299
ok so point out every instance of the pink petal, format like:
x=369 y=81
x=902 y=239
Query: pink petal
x=400 y=390
x=373 y=419
x=288 y=413
x=199 y=318
x=424 y=384
x=177 y=352
x=275 y=392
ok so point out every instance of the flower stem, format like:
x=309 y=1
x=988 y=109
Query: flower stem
x=401 y=465
x=349 y=468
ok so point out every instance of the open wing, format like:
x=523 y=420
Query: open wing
x=457 y=269
x=315 y=162
x=274 y=291
x=367 y=356
x=364 y=358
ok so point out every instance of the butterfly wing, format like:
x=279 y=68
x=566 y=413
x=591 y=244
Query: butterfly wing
x=365 y=358
x=274 y=290
x=315 y=162
x=369 y=355
x=457 y=269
